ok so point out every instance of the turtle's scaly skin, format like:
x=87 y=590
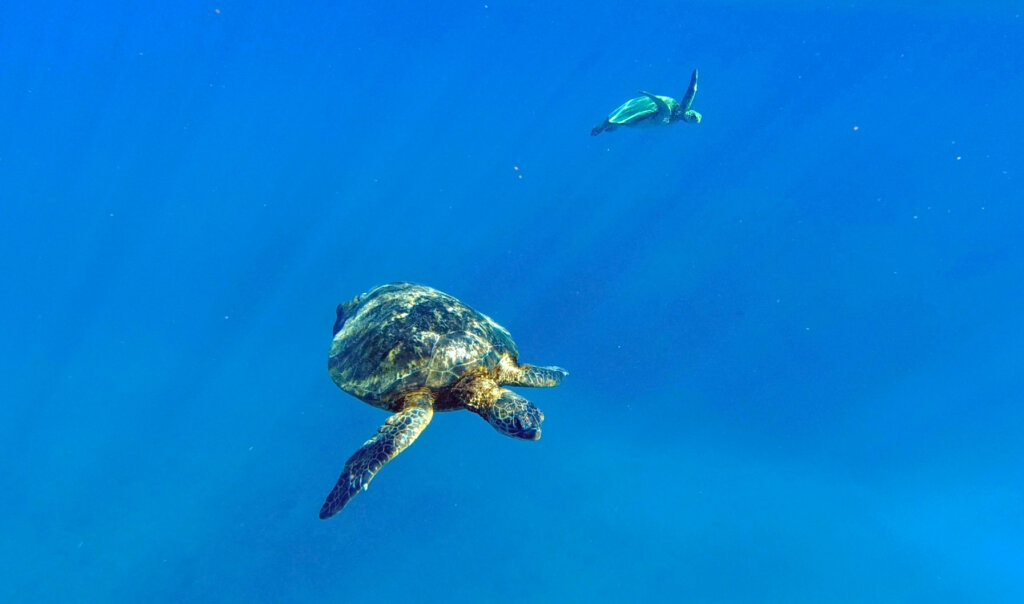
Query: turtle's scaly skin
x=413 y=350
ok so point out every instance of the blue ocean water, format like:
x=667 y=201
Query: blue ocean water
x=794 y=331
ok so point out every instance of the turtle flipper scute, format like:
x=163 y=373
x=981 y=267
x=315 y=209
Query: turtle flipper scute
x=540 y=377
x=400 y=430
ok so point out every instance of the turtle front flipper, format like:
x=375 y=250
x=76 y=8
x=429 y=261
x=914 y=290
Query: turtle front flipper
x=400 y=430
x=511 y=373
x=539 y=377
x=691 y=92
x=664 y=111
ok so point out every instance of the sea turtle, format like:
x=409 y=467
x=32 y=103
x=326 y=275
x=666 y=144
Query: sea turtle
x=412 y=350
x=652 y=110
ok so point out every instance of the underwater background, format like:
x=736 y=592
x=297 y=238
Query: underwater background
x=794 y=331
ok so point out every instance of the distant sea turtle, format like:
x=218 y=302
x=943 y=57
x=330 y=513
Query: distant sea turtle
x=653 y=110
x=413 y=350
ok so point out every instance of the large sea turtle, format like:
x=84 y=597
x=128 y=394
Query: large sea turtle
x=652 y=110
x=413 y=350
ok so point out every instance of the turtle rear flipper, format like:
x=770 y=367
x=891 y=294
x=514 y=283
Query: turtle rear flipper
x=400 y=430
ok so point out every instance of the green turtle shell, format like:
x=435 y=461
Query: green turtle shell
x=639 y=109
x=401 y=337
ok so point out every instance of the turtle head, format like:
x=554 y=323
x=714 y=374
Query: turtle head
x=691 y=117
x=344 y=311
x=513 y=415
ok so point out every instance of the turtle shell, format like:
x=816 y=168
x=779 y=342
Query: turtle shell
x=638 y=109
x=401 y=337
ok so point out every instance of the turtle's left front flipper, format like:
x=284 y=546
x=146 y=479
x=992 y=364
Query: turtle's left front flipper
x=664 y=111
x=511 y=373
x=400 y=430
x=539 y=377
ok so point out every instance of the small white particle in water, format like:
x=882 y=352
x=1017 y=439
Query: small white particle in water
x=228 y=317
x=915 y=217
x=250 y=448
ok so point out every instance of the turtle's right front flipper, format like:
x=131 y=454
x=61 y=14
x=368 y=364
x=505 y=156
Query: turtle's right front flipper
x=691 y=91
x=400 y=430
